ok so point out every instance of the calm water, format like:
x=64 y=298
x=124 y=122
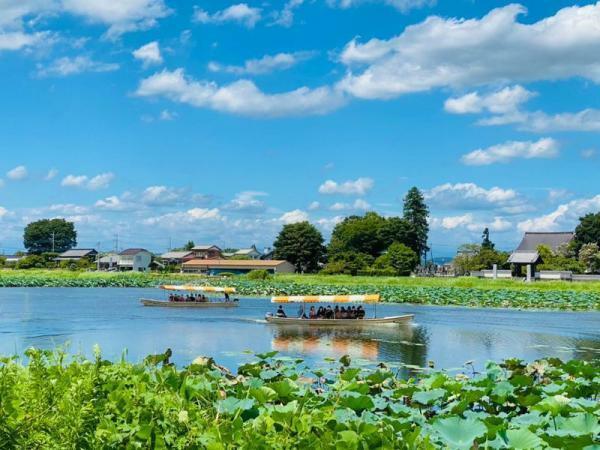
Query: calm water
x=114 y=319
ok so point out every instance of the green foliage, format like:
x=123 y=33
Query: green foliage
x=39 y=236
x=189 y=246
x=589 y=256
x=472 y=257
x=350 y=263
x=260 y=274
x=358 y=235
x=302 y=245
x=416 y=213
x=31 y=262
x=588 y=230
x=401 y=259
x=2 y=261
x=554 y=261
x=486 y=243
x=55 y=401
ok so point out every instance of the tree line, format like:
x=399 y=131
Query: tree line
x=370 y=244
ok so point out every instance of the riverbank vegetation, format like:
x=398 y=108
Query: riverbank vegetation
x=462 y=291
x=278 y=402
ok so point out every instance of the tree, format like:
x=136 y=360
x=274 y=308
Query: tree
x=49 y=235
x=589 y=255
x=588 y=230
x=554 y=261
x=302 y=245
x=486 y=242
x=397 y=229
x=400 y=258
x=360 y=234
x=350 y=263
x=416 y=213
x=190 y=245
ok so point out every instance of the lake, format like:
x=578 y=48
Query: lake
x=114 y=319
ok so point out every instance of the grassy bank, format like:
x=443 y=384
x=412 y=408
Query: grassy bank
x=456 y=291
x=278 y=403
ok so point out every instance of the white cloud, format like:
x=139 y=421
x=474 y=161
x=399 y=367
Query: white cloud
x=161 y=195
x=506 y=152
x=3 y=212
x=67 y=209
x=247 y=201
x=294 y=216
x=564 y=217
x=557 y=194
x=404 y=6
x=468 y=222
x=241 y=97
x=504 y=101
x=240 y=13
x=285 y=17
x=314 y=206
x=100 y=181
x=327 y=223
x=18 y=173
x=52 y=173
x=448 y=52
x=339 y=206
x=17 y=40
x=167 y=115
x=359 y=204
x=112 y=203
x=149 y=54
x=452 y=222
x=266 y=64
x=360 y=186
x=182 y=218
x=470 y=196
x=66 y=66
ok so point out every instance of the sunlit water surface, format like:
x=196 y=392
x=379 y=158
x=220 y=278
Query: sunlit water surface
x=115 y=320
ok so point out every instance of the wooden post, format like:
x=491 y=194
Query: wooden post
x=529 y=273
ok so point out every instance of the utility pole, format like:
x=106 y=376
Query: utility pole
x=170 y=244
x=117 y=243
x=98 y=258
x=53 y=236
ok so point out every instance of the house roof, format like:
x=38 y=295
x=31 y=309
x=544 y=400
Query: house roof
x=205 y=247
x=520 y=257
x=246 y=251
x=78 y=253
x=176 y=254
x=244 y=263
x=133 y=251
x=111 y=257
x=531 y=240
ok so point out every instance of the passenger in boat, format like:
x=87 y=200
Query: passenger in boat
x=226 y=297
x=329 y=312
x=343 y=313
x=301 y=313
x=312 y=314
x=336 y=312
x=360 y=312
x=353 y=314
x=280 y=312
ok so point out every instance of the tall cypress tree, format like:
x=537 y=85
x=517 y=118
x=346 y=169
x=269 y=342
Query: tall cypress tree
x=416 y=213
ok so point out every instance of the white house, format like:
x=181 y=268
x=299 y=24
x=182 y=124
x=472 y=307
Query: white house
x=251 y=253
x=135 y=259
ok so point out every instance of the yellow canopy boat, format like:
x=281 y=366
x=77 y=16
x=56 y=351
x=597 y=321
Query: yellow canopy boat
x=303 y=299
x=191 y=301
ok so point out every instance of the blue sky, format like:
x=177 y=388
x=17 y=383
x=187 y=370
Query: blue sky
x=164 y=121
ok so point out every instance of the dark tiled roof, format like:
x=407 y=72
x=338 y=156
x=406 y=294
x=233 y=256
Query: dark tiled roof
x=531 y=240
x=78 y=253
x=132 y=251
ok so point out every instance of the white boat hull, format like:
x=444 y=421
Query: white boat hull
x=339 y=322
x=165 y=304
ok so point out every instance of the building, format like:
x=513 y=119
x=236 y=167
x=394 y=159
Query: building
x=251 y=253
x=109 y=261
x=177 y=257
x=13 y=259
x=526 y=253
x=76 y=254
x=207 y=252
x=217 y=266
x=135 y=259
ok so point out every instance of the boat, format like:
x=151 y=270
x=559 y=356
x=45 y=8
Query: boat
x=303 y=299
x=195 y=304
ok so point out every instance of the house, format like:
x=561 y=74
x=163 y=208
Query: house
x=109 y=261
x=526 y=253
x=135 y=259
x=76 y=254
x=177 y=257
x=217 y=266
x=13 y=259
x=207 y=252
x=251 y=253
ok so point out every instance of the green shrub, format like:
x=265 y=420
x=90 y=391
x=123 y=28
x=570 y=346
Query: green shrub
x=260 y=274
x=226 y=274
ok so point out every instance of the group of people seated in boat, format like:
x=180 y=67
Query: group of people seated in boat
x=188 y=298
x=351 y=312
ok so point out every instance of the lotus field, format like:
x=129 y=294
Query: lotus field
x=274 y=402
x=483 y=295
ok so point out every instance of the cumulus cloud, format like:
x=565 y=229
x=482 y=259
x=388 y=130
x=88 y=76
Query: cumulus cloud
x=66 y=66
x=247 y=201
x=504 y=101
x=17 y=40
x=314 y=206
x=240 y=97
x=564 y=217
x=285 y=17
x=470 y=223
x=404 y=6
x=18 y=173
x=358 y=205
x=161 y=195
x=266 y=64
x=507 y=151
x=470 y=196
x=149 y=54
x=294 y=216
x=183 y=218
x=360 y=186
x=448 y=52
x=112 y=203
x=240 y=13
x=94 y=183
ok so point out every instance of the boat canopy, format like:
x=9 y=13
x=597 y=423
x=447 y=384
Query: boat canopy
x=370 y=298
x=187 y=287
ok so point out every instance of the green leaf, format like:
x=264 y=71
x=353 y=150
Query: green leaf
x=522 y=438
x=459 y=433
x=427 y=397
x=356 y=401
x=577 y=425
x=231 y=405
